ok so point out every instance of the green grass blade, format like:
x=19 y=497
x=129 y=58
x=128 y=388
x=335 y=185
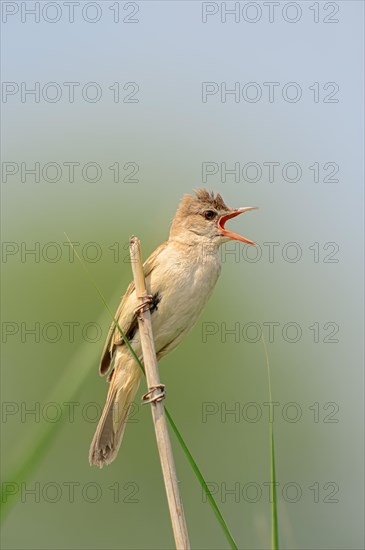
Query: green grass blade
x=43 y=442
x=176 y=431
x=274 y=507
x=202 y=481
x=274 y=503
x=126 y=341
x=40 y=441
x=25 y=470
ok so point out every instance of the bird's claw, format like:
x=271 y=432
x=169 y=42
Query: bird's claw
x=144 y=306
x=149 y=397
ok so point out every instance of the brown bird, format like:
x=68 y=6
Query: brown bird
x=180 y=276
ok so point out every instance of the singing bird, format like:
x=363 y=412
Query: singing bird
x=180 y=276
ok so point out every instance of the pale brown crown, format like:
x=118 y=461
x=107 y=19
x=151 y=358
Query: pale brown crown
x=207 y=198
x=203 y=199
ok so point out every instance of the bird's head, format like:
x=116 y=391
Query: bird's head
x=203 y=218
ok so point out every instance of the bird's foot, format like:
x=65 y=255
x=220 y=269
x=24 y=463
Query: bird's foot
x=154 y=394
x=144 y=306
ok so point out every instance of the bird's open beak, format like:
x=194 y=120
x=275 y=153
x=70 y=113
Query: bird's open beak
x=229 y=234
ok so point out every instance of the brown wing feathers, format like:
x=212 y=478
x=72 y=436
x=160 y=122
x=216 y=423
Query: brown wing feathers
x=125 y=316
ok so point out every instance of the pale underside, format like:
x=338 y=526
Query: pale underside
x=175 y=309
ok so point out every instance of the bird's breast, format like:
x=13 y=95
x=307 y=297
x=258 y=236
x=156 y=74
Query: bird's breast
x=182 y=285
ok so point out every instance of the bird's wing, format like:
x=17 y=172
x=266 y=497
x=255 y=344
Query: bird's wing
x=125 y=315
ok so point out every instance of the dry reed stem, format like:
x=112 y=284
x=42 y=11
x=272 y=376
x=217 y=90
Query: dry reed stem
x=157 y=407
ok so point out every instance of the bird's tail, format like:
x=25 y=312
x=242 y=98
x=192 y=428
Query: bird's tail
x=109 y=433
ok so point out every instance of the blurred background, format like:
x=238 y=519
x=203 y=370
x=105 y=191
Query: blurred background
x=133 y=105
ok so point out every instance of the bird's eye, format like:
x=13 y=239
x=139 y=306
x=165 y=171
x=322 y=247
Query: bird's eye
x=209 y=214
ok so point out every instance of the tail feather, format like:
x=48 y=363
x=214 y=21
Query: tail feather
x=109 y=432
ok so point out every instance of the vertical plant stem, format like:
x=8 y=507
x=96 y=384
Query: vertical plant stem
x=157 y=407
x=274 y=504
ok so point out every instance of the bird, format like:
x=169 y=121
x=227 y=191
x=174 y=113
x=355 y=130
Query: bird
x=180 y=276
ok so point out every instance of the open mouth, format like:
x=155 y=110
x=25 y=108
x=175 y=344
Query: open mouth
x=229 y=234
